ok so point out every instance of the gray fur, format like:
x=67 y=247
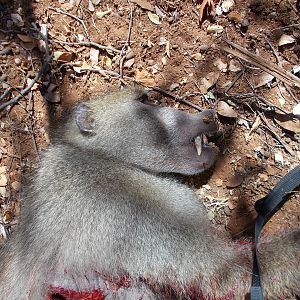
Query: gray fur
x=98 y=204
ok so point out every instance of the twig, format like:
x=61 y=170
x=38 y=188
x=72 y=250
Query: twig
x=74 y=17
x=6 y=93
x=98 y=70
x=176 y=98
x=277 y=137
x=35 y=79
x=126 y=45
x=262 y=63
x=88 y=44
x=274 y=51
x=238 y=76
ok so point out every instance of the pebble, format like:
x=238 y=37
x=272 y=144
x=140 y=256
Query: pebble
x=3 y=77
x=203 y=48
x=150 y=62
x=130 y=55
x=18 y=61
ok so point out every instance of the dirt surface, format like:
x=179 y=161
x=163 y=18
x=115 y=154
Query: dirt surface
x=159 y=44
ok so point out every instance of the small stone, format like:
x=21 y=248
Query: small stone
x=17 y=50
x=6 y=51
x=150 y=62
x=171 y=19
x=244 y=25
x=18 y=61
x=16 y=185
x=203 y=48
x=3 y=77
x=129 y=63
x=2 y=191
x=130 y=55
x=3 y=180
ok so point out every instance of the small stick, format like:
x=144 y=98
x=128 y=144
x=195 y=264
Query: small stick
x=35 y=79
x=74 y=17
x=125 y=47
x=176 y=98
x=277 y=137
x=88 y=44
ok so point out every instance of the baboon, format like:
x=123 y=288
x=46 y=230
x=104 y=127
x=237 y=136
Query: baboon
x=102 y=220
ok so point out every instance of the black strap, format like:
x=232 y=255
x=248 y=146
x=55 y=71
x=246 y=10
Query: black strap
x=266 y=208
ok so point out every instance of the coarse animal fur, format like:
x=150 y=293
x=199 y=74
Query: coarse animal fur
x=99 y=216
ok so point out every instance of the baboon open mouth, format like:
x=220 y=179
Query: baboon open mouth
x=203 y=141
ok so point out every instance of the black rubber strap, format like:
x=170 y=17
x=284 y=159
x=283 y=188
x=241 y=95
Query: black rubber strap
x=266 y=208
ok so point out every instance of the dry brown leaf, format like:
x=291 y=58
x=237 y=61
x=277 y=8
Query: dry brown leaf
x=63 y=56
x=263 y=79
x=154 y=18
x=25 y=38
x=286 y=39
x=220 y=65
x=208 y=81
x=225 y=110
x=235 y=180
x=144 y=4
x=288 y=123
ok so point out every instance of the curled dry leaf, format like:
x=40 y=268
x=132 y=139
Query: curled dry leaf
x=27 y=42
x=235 y=180
x=144 y=4
x=225 y=110
x=154 y=18
x=63 y=56
x=263 y=79
x=234 y=66
x=288 y=123
x=220 y=65
x=25 y=38
x=208 y=81
x=286 y=39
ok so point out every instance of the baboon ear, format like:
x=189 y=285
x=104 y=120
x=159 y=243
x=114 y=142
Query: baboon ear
x=84 y=119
